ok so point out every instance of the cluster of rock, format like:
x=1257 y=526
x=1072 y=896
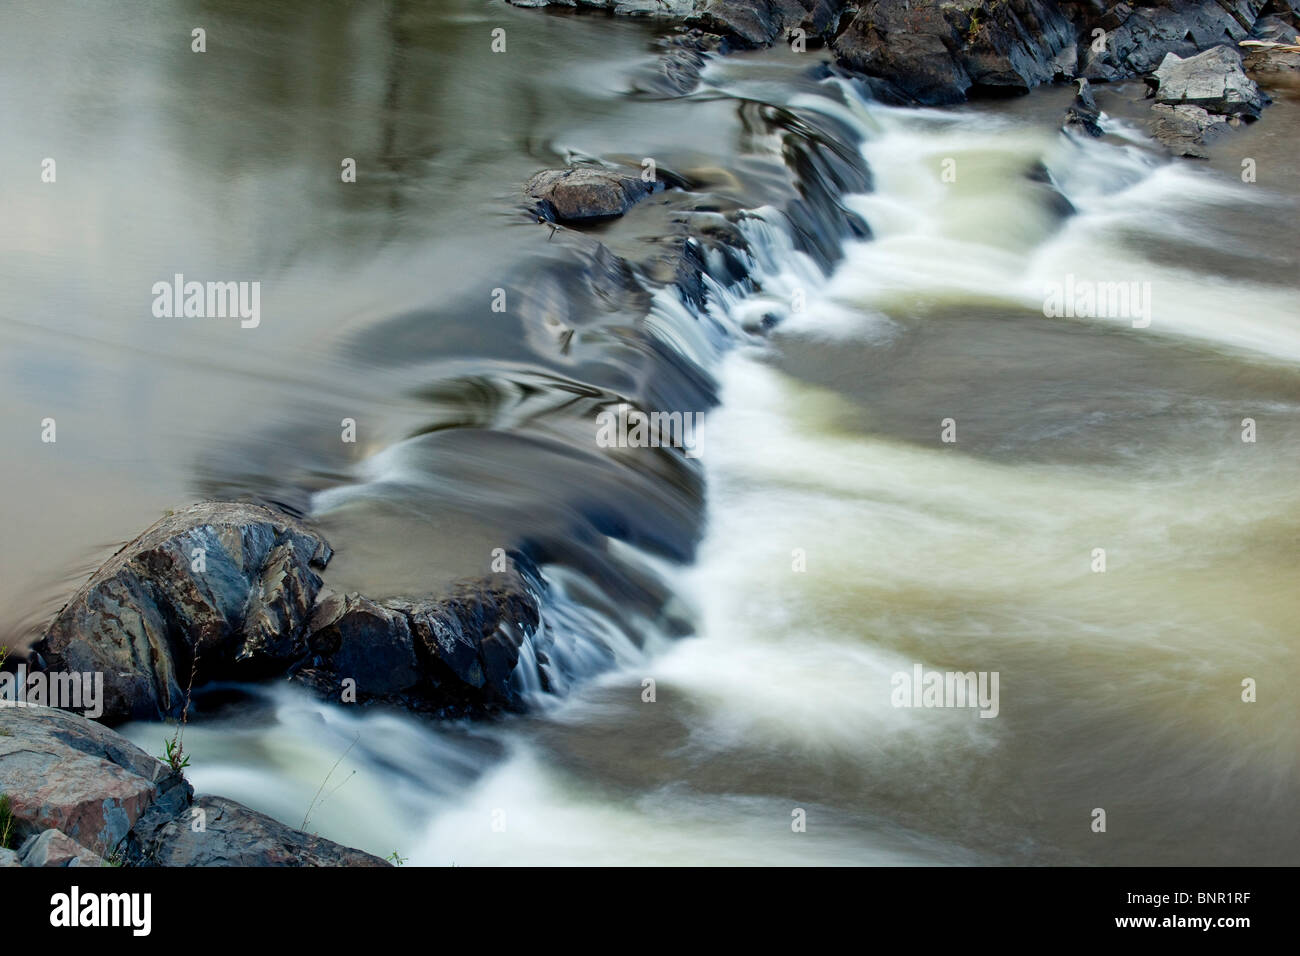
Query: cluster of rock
x=79 y=794
x=935 y=52
x=232 y=591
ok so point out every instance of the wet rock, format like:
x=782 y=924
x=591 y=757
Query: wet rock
x=587 y=193
x=81 y=793
x=367 y=642
x=230 y=582
x=53 y=848
x=449 y=656
x=1214 y=80
x=940 y=51
x=1083 y=115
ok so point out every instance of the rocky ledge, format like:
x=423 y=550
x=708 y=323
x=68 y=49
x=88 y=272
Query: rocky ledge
x=75 y=793
x=233 y=591
x=934 y=52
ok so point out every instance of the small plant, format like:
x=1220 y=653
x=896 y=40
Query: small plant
x=6 y=823
x=396 y=859
x=973 y=30
x=176 y=757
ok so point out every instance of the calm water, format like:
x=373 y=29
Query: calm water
x=475 y=430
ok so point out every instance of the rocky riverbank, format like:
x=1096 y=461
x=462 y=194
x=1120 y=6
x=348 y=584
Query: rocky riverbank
x=78 y=794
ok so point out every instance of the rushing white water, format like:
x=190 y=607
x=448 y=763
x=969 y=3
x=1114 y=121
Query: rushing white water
x=840 y=551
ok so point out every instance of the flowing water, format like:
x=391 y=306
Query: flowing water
x=826 y=538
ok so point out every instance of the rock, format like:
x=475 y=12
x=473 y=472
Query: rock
x=1083 y=115
x=587 y=193
x=939 y=51
x=452 y=656
x=234 y=835
x=64 y=772
x=1186 y=130
x=366 y=642
x=232 y=582
x=1214 y=80
x=8 y=858
x=53 y=848
x=80 y=793
x=1139 y=35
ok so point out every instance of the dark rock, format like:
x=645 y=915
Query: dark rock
x=938 y=51
x=451 y=656
x=232 y=583
x=1139 y=35
x=1083 y=115
x=756 y=23
x=81 y=793
x=367 y=642
x=587 y=193
x=1214 y=80
x=53 y=848
x=234 y=835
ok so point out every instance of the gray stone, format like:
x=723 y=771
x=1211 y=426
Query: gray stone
x=53 y=848
x=1214 y=80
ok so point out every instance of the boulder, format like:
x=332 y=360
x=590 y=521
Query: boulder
x=229 y=583
x=66 y=773
x=52 y=848
x=8 y=858
x=939 y=51
x=1214 y=80
x=234 y=835
x=81 y=793
x=452 y=656
x=587 y=193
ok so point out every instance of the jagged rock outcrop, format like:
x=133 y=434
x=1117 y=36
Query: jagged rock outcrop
x=941 y=51
x=229 y=583
x=81 y=794
x=1137 y=36
x=254 y=607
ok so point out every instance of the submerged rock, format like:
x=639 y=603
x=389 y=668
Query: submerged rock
x=81 y=794
x=1214 y=80
x=587 y=193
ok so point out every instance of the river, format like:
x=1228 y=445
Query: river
x=826 y=538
